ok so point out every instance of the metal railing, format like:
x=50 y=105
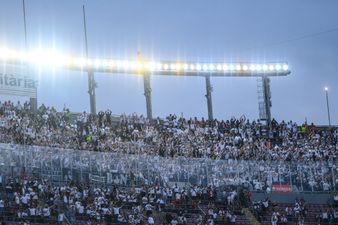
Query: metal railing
x=108 y=168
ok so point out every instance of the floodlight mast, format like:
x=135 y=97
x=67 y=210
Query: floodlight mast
x=148 y=69
x=91 y=79
x=32 y=101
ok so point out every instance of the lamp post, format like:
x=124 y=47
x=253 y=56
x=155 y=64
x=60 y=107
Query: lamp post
x=327 y=104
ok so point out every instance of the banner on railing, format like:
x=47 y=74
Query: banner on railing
x=281 y=188
x=97 y=178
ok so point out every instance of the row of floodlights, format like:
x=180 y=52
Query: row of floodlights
x=54 y=59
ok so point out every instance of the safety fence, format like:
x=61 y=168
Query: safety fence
x=108 y=168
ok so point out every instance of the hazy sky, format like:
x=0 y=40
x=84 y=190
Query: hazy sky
x=235 y=30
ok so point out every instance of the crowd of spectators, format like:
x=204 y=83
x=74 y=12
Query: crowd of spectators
x=238 y=139
x=298 y=213
x=27 y=200
x=239 y=151
x=38 y=200
x=216 y=151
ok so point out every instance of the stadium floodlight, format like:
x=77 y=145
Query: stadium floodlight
x=178 y=66
x=8 y=54
x=158 y=66
x=138 y=66
x=265 y=67
x=148 y=66
x=78 y=62
x=285 y=67
x=278 y=67
x=258 y=67
x=97 y=63
x=104 y=63
x=151 y=66
x=118 y=65
x=172 y=66
x=126 y=65
x=89 y=63
x=51 y=58
x=111 y=64
x=198 y=67
x=43 y=57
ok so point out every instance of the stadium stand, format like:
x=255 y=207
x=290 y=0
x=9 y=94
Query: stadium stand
x=58 y=168
x=232 y=139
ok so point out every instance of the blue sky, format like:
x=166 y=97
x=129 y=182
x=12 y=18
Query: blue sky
x=230 y=30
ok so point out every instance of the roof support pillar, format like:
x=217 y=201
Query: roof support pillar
x=209 y=97
x=91 y=92
x=147 y=94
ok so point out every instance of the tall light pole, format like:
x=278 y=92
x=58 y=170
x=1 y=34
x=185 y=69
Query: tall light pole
x=327 y=104
x=33 y=101
x=91 y=80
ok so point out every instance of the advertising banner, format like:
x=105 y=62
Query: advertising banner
x=15 y=80
x=281 y=188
